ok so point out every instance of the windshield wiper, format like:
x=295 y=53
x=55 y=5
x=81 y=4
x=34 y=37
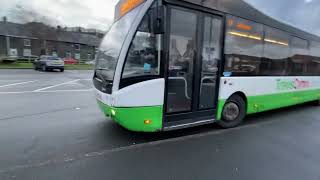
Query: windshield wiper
x=101 y=76
x=102 y=69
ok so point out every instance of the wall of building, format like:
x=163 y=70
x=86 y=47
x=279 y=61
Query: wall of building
x=63 y=49
x=62 y=43
x=3 y=46
x=86 y=50
x=40 y=47
x=17 y=43
x=36 y=46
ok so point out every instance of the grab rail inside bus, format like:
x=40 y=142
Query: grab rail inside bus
x=185 y=85
x=210 y=78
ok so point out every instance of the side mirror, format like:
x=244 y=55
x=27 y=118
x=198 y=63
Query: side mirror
x=157 y=20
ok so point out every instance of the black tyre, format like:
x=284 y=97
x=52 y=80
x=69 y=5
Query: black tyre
x=317 y=103
x=233 y=112
x=43 y=68
x=62 y=70
x=35 y=67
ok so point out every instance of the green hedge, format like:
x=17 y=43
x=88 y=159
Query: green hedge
x=16 y=66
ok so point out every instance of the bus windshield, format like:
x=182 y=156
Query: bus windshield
x=111 y=45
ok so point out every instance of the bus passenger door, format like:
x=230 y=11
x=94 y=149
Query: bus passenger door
x=194 y=58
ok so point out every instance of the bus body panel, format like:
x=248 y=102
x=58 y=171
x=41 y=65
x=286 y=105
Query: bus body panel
x=267 y=93
x=134 y=118
x=147 y=93
x=135 y=104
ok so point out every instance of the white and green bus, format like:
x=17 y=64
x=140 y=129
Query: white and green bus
x=171 y=64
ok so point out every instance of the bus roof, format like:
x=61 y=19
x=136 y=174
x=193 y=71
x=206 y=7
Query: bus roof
x=244 y=10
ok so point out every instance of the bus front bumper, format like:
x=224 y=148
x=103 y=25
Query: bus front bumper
x=139 y=119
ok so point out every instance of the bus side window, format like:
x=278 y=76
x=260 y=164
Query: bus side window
x=243 y=47
x=299 y=57
x=276 y=52
x=315 y=57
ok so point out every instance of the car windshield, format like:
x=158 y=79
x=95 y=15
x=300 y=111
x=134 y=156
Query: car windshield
x=111 y=45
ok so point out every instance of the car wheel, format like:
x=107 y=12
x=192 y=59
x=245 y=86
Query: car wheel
x=44 y=68
x=62 y=70
x=35 y=67
x=233 y=112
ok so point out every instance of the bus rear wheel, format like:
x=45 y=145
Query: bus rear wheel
x=233 y=112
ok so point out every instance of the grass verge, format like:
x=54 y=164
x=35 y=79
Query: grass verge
x=16 y=66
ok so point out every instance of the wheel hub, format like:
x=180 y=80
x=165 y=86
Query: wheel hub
x=231 y=111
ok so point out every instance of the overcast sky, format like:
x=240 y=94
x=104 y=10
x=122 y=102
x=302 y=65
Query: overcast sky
x=85 y=13
x=304 y=14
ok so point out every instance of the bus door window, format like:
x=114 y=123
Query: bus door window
x=181 y=60
x=188 y=56
x=175 y=57
x=211 y=55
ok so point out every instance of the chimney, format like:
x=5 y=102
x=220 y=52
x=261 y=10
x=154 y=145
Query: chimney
x=59 y=28
x=4 y=19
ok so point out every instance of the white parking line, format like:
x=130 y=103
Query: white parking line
x=15 y=84
x=55 y=91
x=49 y=87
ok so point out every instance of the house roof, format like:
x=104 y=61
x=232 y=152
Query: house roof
x=36 y=30
x=13 y=29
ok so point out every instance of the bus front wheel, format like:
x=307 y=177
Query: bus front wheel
x=233 y=112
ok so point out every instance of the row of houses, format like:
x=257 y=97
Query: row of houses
x=35 y=39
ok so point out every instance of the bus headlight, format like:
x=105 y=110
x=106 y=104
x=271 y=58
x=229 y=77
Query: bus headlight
x=113 y=112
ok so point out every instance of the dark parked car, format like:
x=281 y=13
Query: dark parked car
x=46 y=63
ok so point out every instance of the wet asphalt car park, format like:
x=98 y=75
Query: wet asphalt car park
x=51 y=128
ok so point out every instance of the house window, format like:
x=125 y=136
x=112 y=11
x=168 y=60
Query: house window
x=54 y=53
x=27 y=52
x=77 y=56
x=76 y=47
x=27 y=42
x=68 y=54
x=89 y=56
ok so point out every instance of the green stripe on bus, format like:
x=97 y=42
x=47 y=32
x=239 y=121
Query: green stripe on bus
x=134 y=118
x=220 y=108
x=273 y=101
